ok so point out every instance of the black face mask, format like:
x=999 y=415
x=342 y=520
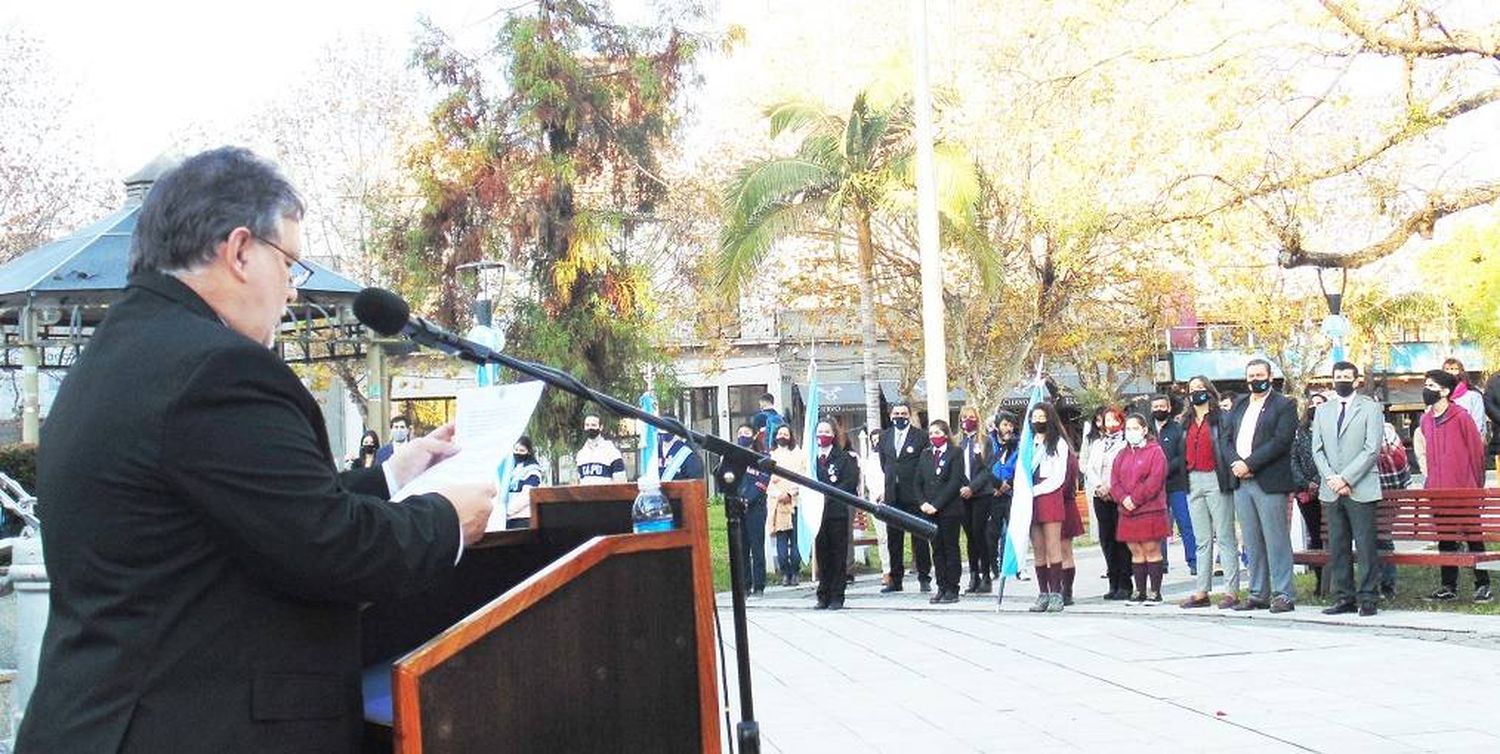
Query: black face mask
x=368 y=447
x=1161 y=416
x=744 y=442
x=1431 y=397
x=785 y=442
x=1039 y=427
x=901 y=422
x=1200 y=397
x=591 y=433
x=1344 y=388
x=520 y=458
x=1258 y=386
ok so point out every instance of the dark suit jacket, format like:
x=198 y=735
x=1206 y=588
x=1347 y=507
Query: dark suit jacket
x=981 y=479
x=207 y=562
x=1173 y=444
x=842 y=471
x=938 y=481
x=1270 y=458
x=900 y=464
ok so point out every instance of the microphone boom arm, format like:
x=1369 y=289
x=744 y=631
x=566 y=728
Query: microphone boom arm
x=475 y=353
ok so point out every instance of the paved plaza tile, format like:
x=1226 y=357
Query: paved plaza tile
x=892 y=673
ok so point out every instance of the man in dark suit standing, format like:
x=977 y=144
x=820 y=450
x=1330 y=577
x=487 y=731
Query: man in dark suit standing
x=207 y=562
x=1257 y=448
x=900 y=448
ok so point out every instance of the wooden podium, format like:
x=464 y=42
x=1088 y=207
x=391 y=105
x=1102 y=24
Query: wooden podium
x=573 y=636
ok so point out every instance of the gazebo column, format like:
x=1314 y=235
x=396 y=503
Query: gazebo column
x=377 y=403
x=31 y=389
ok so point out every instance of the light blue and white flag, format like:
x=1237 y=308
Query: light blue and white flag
x=1018 y=534
x=649 y=439
x=810 y=501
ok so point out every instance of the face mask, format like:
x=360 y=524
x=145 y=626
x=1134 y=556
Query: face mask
x=939 y=441
x=1135 y=437
x=1039 y=427
x=1113 y=430
x=591 y=433
x=901 y=422
x=1344 y=388
x=520 y=458
x=1431 y=397
x=744 y=442
x=785 y=442
x=368 y=446
x=969 y=425
x=1161 y=416
x=666 y=439
x=1200 y=397
x=825 y=441
x=400 y=434
x=1258 y=386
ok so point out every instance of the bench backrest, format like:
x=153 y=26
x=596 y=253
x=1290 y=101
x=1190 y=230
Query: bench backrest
x=1434 y=515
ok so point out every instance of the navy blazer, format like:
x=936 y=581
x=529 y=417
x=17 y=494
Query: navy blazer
x=207 y=562
x=900 y=464
x=842 y=471
x=1270 y=458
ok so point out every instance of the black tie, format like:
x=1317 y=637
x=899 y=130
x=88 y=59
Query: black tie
x=1339 y=427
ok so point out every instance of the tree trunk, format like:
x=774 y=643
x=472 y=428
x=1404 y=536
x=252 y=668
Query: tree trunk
x=867 y=320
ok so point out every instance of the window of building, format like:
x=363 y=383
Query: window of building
x=744 y=401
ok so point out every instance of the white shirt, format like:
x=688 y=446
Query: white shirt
x=1051 y=468
x=1244 y=442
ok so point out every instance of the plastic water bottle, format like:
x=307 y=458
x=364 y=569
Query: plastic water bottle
x=651 y=511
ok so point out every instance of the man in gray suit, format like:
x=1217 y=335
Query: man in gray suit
x=1345 y=443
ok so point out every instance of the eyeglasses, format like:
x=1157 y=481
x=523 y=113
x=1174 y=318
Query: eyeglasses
x=298 y=273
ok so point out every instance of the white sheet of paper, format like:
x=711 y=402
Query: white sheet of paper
x=489 y=421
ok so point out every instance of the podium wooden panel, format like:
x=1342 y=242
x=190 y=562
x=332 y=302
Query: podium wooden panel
x=575 y=635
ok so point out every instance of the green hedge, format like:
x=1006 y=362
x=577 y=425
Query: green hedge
x=18 y=462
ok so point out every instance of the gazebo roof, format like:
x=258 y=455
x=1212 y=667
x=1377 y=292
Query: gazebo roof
x=90 y=266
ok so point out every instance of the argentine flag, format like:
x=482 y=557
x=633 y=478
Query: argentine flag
x=810 y=501
x=648 y=435
x=1018 y=534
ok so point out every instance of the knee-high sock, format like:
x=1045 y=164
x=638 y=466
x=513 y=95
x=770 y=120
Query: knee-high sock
x=1043 y=577
x=1138 y=570
x=1153 y=570
x=1057 y=578
x=1067 y=582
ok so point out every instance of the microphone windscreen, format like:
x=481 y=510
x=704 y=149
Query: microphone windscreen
x=381 y=311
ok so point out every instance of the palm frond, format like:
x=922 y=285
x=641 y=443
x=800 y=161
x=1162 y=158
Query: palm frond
x=792 y=116
x=743 y=246
x=762 y=184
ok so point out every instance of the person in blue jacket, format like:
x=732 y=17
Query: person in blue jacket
x=1007 y=440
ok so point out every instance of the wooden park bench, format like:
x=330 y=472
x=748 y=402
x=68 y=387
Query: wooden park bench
x=1431 y=516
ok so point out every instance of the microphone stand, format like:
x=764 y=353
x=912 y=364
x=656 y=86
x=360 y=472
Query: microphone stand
x=748 y=731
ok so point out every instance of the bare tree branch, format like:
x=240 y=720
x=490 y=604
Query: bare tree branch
x=1454 y=43
x=1419 y=222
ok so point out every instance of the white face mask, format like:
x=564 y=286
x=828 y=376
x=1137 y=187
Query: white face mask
x=1135 y=437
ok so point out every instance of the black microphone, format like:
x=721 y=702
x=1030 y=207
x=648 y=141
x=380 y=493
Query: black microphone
x=387 y=314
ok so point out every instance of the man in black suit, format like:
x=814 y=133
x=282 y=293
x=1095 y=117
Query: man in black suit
x=207 y=562
x=1256 y=446
x=900 y=447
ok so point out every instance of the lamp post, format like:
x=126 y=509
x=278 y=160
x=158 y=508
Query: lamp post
x=1335 y=325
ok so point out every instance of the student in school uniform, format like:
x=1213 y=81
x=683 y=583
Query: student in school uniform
x=836 y=466
x=1138 y=484
x=939 y=477
x=1051 y=498
x=977 y=492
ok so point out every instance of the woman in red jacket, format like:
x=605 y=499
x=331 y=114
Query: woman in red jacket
x=1138 y=484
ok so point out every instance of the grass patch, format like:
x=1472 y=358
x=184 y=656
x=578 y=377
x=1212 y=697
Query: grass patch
x=1413 y=583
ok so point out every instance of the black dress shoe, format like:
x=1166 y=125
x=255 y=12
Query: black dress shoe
x=949 y=598
x=986 y=585
x=973 y=585
x=1366 y=609
x=1341 y=607
x=926 y=585
x=836 y=605
x=888 y=588
x=822 y=605
x=936 y=598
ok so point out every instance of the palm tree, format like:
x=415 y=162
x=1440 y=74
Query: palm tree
x=845 y=170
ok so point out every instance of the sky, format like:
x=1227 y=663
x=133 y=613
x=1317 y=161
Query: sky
x=147 y=70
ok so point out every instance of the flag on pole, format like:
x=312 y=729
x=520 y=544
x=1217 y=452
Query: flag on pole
x=809 y=501
x=648 y=435
x=1018 y=534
